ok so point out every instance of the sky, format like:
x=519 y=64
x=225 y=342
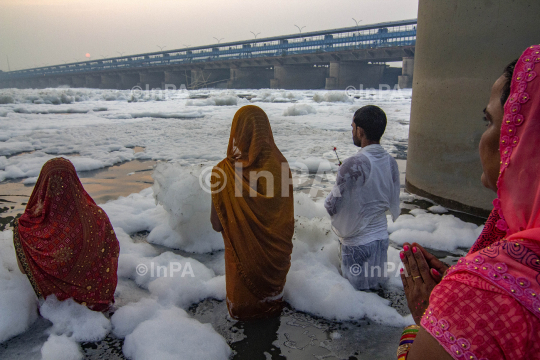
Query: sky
x=37 y=33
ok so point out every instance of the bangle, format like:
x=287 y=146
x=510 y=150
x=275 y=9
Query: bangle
x=407 y=338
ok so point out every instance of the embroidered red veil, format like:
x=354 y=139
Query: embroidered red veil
x=488 y=305
x=65 y=242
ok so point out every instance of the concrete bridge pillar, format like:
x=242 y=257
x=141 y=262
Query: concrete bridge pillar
x=53 y=82
x=78 y=81
x=128 y=81
x=251 y=78
x=25 y=84
x=64 y=80
x=110 y=81
x=357 y=74
x=44 y=83
x=176 y=79
x=215 y=78
x=152 y=80
x=406 y=79
x=93 y=81
x=299 y=77
x=452 y=85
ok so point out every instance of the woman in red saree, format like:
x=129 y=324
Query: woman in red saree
x=253 y=208
x=488 y=305
x=64 y=242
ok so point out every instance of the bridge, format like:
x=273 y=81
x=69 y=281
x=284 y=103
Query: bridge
x=330 y=59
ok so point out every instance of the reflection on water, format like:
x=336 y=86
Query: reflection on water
x=102 y=184
x=299 y=336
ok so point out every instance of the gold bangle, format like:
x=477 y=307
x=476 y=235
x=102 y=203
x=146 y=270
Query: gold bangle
x=403 y=349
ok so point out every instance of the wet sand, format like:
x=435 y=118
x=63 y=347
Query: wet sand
x=102 y=185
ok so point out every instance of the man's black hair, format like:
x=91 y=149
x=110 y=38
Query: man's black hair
x=508 y=73
x=372 y=120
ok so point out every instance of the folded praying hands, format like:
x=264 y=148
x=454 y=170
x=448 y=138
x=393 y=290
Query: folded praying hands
x=422 y=272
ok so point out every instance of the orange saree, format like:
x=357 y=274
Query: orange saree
x=65 y=242
x=254 y=203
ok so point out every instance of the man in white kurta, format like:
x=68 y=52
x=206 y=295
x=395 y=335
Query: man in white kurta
x=367 y=185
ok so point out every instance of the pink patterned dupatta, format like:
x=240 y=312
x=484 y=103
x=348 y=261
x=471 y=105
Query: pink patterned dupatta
x=488 y=305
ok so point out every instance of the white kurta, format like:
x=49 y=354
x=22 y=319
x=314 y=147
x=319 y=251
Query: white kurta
x=367 y=185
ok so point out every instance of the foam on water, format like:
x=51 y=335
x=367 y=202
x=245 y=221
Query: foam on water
x=192 y=134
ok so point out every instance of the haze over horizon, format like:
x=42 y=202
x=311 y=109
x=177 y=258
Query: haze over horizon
x=50 y=32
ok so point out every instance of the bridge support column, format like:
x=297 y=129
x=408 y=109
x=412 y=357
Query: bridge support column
x=176 y=79
x=53 y=82
x=215 y=78
x=93 y=82
x=128 y=81
x=64 y=81
x=44 y=83
x=406 y=79
x=357 y=74
x=110 y=81
x=449 y=91
x=152 y=80
x=251 y=78
x=299 y=77
x=78 y=81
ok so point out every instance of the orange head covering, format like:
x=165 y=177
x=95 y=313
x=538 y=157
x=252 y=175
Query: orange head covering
x=65 y=242
x=254 y=202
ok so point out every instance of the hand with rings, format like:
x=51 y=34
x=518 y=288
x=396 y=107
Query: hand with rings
x=422 y=271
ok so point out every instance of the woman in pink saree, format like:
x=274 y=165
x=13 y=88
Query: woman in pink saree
x=487 y=306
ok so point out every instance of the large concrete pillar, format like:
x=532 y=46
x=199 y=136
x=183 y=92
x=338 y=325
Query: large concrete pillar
x=215 y=78
x=42 y=83
x=128 y=81
x=299 y=77
x=64 y=81
x=251 y=78
x=152 y=80
x=462 y=47
x=357 y=74
x=406 y=79
x=110 y=81
x=175 y=79
x=78 y=81
x=93 y=82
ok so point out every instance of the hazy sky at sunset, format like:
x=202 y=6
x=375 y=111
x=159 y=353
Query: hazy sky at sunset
x=47 y=32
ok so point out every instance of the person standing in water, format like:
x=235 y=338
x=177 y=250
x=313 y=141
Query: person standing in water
x=254 y=211
x=367 y=185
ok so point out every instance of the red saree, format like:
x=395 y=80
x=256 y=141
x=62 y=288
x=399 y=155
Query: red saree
x=65 y=242
x=488 y=305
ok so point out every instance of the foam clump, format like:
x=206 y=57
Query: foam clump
x=18 y=302
x=314 y=284
x=299 y=109
x=153 y=331
x=441 y=232
x=75 y=320
x=333 y=96
x=224 y=99
x=438 y=209
x=276 y=96
x=314 y=165
x=61 y=348
x=179 y=189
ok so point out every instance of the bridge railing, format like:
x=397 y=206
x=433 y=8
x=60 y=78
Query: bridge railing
x=365 y=37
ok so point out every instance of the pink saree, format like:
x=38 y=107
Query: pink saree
x=488 y=305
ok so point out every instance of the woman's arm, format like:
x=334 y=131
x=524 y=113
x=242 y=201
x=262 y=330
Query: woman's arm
x=214 y=219
x=425 y=347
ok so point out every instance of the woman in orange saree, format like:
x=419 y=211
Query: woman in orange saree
x=64 y=242
x=252 y=206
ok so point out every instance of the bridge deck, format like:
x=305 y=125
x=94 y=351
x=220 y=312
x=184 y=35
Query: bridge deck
x=375 y=36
